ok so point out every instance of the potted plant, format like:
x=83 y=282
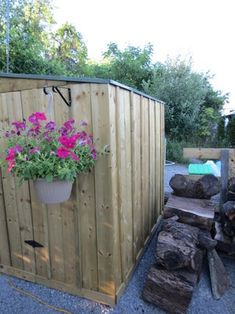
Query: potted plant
x=51 y=156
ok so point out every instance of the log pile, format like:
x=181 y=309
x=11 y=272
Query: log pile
x=225 y=228
x=183 y=241
x=203 y=188
x=231 y=189
x=179 y=256
x=225 y=225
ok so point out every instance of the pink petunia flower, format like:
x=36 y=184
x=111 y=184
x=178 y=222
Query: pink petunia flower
x=35 y=130
x=20 y=126
x=37 y=116
x=12 y=151
x=11 y=165
x=68 y=141
x=74 y=157
x=63 y=152
x=50 y=126
x=94 y=154
x=83 y=123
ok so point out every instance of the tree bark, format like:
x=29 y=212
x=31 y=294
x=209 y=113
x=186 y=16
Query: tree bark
x=195 y=212
x=205 y=240
x=170 y=290
x=174 y=253
x=202 y=188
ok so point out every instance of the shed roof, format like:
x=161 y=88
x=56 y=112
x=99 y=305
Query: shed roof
x=74 y=80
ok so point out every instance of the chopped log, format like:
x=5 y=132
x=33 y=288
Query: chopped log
x=228 y=228
x=228 y=209
x=205 y=240
x=174 y=253
x=207 y=186
x=231 y=196
x=182 y=186
x=195 y=212
x=224 y=243
x=231 y=184
x=170 y=290
x=203 y=188
x=180 y=230
x=220 y=282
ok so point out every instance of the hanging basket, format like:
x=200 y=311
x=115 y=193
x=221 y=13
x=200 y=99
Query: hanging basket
x=53 y=192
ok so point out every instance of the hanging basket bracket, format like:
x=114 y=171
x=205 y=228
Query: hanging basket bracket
x=56 y=89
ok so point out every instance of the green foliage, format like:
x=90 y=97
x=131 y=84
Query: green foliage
x=188 y=98
x=231 y=131
x=221 y=129
x=174 y=150
x=132 y=66
x=69 y=49
x=183 y=92
x=34 y=48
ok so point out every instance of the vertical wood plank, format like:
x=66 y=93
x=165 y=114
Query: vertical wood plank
x=62 y=238
x=117 y=266
x=104 y=213
x=55 y=233
x=9 y=189
x=23 y=200
x=152 y=168
x=5 y=257
x=35 y=100
x=145 y=164
x=125 y=173
x=224 y=176
x=158 y=158
x=136 y=173
x=81 y=110
x=162 y=153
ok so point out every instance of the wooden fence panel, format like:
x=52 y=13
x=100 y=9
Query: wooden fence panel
x=125 y=180
x=34 y=100
x=81 y=110
x=138 y=239
x=117 y=264
x=10 y=101
x=145 y=164
x=152 y=167
x=104 y=214
x=158 y=158
x=5 y=257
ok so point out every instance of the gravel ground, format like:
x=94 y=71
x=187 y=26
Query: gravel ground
x=12 y=302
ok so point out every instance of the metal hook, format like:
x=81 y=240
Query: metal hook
x=45 y=90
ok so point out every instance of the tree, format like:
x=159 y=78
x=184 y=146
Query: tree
x=183 y=91
x=30 y=40
x=29 y=21
x=210 y=113
x=189 y=97
x=68 y=48
x=132 y=66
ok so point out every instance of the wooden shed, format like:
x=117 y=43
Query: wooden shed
x=89 y=245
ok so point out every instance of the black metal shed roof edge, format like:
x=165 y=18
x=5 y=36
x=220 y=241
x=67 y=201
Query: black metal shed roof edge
x=76 y=80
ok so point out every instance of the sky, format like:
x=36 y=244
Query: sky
x=201 y=29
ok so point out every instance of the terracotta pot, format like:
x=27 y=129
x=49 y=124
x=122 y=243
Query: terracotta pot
x=53 y=192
